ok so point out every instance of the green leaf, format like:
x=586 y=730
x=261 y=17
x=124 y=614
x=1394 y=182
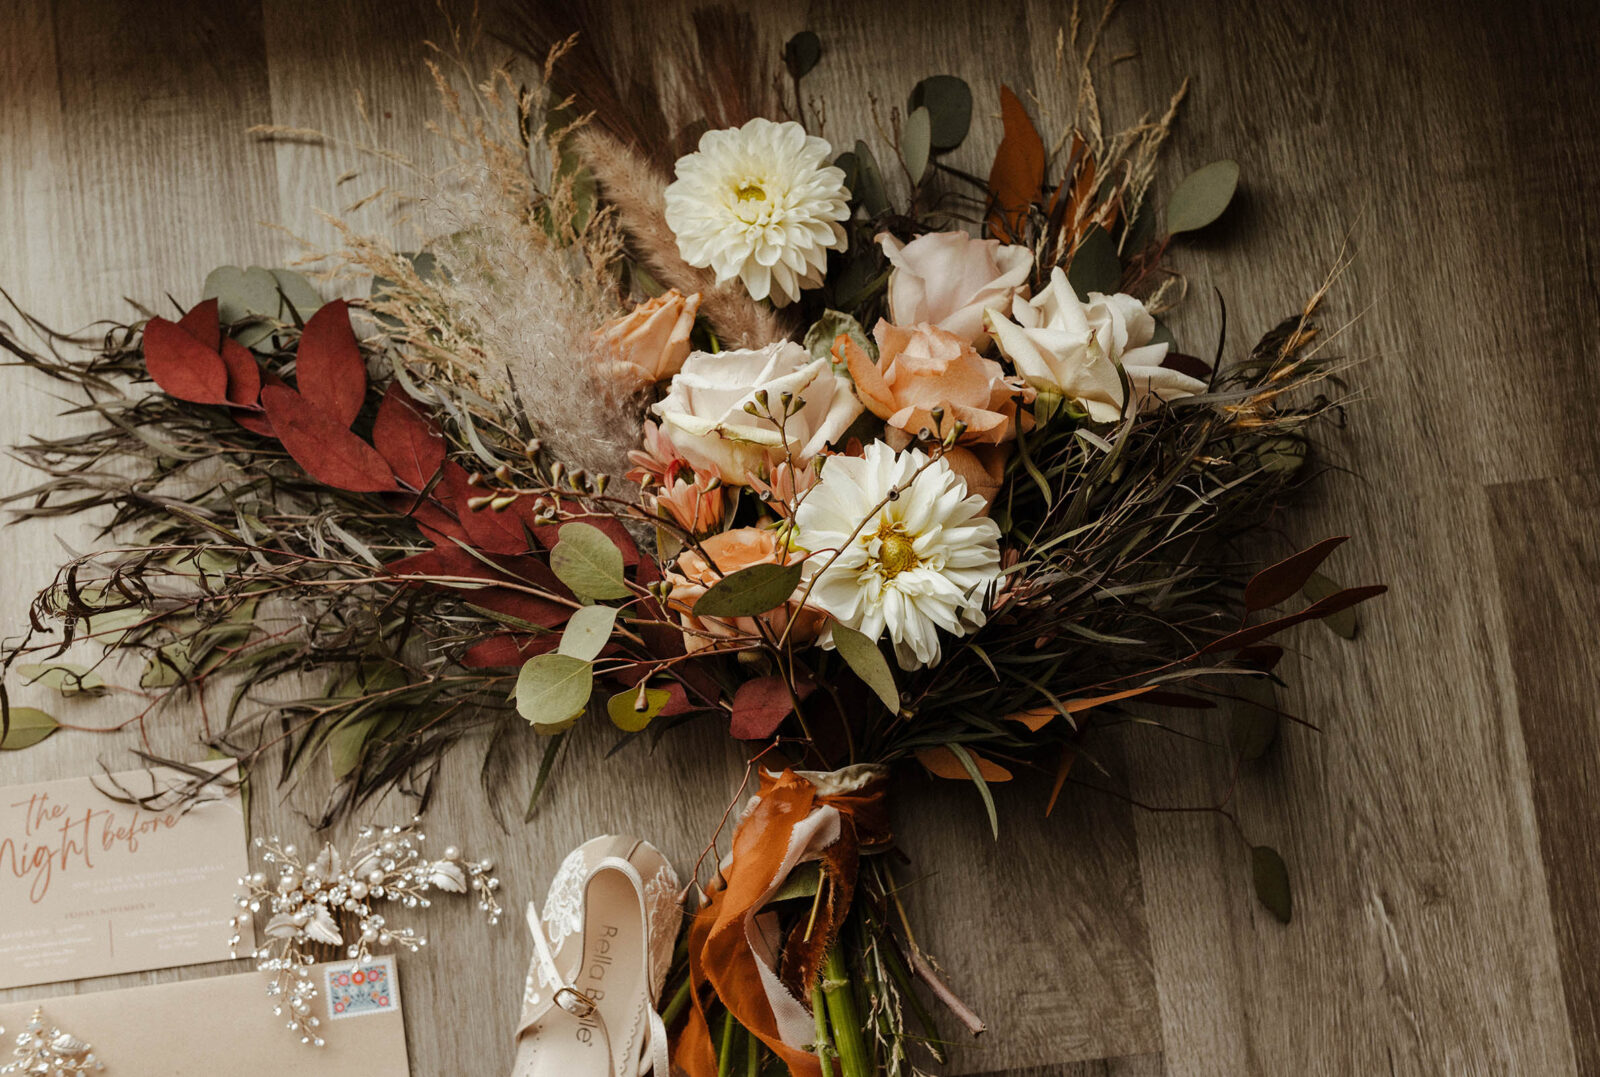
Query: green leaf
x=828 y=328
x=863 y=656
x=588 y=562
x=1202 y=196
x=552 y=690
x=915 y=143
x=26 y=728
x=348 y=742
x=587 y=632
x=749 y=591
x=622 y=708
x=1271 y=878
x=547 y=763
x=302 y=297
x=1344 y=623
x=869 y=189
x=970 y=765
x=64 y=677
x=1094 y=265
x=1253 y=716
x=847 y=163
x=801 y=53
x=1163 y=335
x=803 y=882
x=949 y=104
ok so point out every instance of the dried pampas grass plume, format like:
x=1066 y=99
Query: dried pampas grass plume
x=634 y=189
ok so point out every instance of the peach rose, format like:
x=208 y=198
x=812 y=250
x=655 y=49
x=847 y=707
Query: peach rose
x=646 y=345
x=947 y=279
x=691 y=576
x=925 y=367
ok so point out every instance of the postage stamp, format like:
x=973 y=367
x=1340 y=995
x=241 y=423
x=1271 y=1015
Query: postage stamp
x=358 y=988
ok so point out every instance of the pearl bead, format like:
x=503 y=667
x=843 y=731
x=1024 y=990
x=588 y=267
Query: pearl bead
x=358 y=890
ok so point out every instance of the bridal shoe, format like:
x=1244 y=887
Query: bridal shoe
x=602 y=948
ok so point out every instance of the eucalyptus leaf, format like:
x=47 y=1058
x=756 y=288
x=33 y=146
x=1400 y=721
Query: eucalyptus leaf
x=869 y=189
x=916 y=145
x=1094 y=265
x=1202 y=196
x=847 y=163
x=587 y=632
x=1163 y=335
x=553 y=689
x=302 y=297
x=588 y=562
x=65 y=677
x=863 y=656
x=27 y=727
x=1271 y=877
x=1345 y=622
x=622 y=708
x=949 y=104
x=828 y=328
x=749 y=591
x=801 y=53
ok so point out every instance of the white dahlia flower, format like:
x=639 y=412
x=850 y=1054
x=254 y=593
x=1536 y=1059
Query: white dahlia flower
x=761 y=203
x=918 y=563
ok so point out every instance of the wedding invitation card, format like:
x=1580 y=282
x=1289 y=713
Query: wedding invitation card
x=91 y=885
x=222 y=1025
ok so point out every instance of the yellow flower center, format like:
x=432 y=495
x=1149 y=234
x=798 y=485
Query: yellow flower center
x=895 y=553
x=751 y=192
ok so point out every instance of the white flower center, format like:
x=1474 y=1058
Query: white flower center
x=896 y=552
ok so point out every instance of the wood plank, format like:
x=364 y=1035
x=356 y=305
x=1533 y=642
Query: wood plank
x=1548 y=554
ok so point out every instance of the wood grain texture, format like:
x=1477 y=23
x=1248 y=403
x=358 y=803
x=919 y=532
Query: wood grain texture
x=1437 y=828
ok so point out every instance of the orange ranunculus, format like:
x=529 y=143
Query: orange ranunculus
x=925 y=367
x=646 y=345
x=691 y=576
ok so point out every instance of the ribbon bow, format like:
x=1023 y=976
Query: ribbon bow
x=797 y=817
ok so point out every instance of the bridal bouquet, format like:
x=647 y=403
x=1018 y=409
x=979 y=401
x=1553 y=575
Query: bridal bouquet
x=876 y=463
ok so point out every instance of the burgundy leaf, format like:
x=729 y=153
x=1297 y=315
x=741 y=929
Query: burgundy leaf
x=244 y=376
x=182 y=366
x=1281 y=581
x=511 y=649
x=549 y=534
x=530 y=609
x=1187 y=364
x=409 y=440
x=322 y=445
x=487 y=530
x=1327 y=607
x=328 y=367
x=256 y=421
x=761 y=705
x=201 y=323
x=438 y=524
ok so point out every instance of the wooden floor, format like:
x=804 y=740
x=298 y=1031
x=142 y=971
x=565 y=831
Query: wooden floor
x=1440 y=830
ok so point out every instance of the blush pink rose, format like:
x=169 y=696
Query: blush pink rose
x=925 y=367
x=948 y=279
x=646 y=345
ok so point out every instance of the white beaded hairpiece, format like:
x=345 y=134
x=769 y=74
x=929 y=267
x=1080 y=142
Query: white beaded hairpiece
x=45 y=1051
x=309 y=905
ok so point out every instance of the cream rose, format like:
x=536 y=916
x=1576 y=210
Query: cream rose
x=924 y=367
x=1060 y=343
x=646 y=345
x=703 y=414
x=948 y=279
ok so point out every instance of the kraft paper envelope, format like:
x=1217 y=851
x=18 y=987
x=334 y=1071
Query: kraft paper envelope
x=225 y=1025
x=90 y=886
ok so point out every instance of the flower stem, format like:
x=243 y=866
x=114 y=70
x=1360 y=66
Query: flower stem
x=725 y=1051
x=842 y=1015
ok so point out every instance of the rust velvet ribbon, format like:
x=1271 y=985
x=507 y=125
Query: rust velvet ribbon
x=795 y=818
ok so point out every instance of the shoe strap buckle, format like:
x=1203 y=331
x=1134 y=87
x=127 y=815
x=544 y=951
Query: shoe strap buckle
x=575 y=1002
